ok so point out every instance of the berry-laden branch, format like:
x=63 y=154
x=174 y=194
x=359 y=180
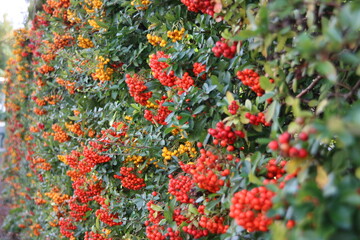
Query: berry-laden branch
x=311 y=86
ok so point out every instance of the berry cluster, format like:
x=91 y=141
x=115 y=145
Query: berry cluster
x=57 y=197
x=130 y=180
x=173 y=235
x=257 y=119
x=233 y=107
x=84 y=42
x=179 y=218
x=156 y=40
x=45 y=69
x=250 y=78
x=158 y=69
x=75 y=128
x=195 y=232
x=93 y=23
x=70 y=86
x=91 y=5
x=183 y=148
x=102 y=72
x=62 y=41
x=78 y=211
x=95 y=236
x=67 y=227
x=59 y=135
x=225 y=136
x=287 y=148
x=153 y=233
x=141 y=4
x=185 y=82
x=107 y=218
x=204 y=171
x=176 y=35
x=154 y=216
x=222 y=48
x=180 y=187
x=137 y=89
x=214 y=225
x=249 y=208
x=38 y=111
x=199 y=69
x=162 y=113
x=85 y=189
x=204 y=6
x=274 y=171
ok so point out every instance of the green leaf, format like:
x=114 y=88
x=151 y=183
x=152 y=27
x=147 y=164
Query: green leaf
x=254 y=179
x=199 y=109
x=327 y=69
x=157 y=208
x=278 y=231
x=229 y=97
x=266 y=84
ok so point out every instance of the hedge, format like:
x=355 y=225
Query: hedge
x=213 y=119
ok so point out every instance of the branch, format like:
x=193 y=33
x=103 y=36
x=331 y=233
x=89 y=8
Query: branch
x=353 y=90
x=311 y=86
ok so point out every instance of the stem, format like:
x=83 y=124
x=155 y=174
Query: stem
x=353 y=90
x=311 y=86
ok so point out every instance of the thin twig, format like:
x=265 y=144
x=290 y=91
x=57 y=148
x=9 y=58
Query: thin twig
x=311 y=86
x=353 y=90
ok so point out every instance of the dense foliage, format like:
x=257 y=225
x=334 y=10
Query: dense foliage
x=213 y=119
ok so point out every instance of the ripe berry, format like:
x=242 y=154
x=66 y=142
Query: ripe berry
x=285 y=137
x=273 y=145
x=303 y=136
x=290 y=224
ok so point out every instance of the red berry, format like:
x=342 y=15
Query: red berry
x=303 y=136
x=290 y=224
x=285 y=137
x=273 y=145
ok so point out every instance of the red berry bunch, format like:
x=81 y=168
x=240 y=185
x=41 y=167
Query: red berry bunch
x=257 y=119
x=274 y=171
x=67 y=227
x=159 y=69
x=233 y=107
x=204 y=6
x=117 y=130
x=286 y=147
x=162 y=113
x=195 y=232
x=92 y=157
x=85 y=189
x=185 y=82
x=214 y=225
x=173 y=235
x=204 y=172
x=223 y=49
x=179 y=218
x=153 y=233
x=199 y=69
x=249 y=208
x=180 y=187
x=225 y=136
x=154 y=216
x=137 y=89
x=78 y=211
x=250 y=78
x=130 y=180
x=106 y=217
x=95 y=236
